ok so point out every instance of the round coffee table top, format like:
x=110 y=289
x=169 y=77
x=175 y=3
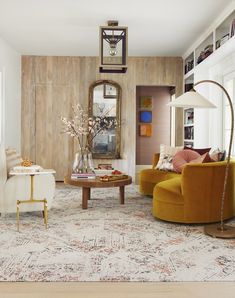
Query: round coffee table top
x=96 y=182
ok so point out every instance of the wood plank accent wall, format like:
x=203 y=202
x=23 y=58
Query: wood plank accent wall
x=51 y=85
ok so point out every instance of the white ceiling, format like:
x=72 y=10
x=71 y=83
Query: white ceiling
x=71 y=27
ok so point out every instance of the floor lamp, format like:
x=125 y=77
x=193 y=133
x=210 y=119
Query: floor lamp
x=193 y=99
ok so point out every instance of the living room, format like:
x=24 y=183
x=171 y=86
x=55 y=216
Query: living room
x=99 y=182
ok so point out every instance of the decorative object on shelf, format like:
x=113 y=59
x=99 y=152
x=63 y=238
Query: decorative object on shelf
x=146 y=116
x=26 y=162
x=113 y=48
x=105 y=101
x=188 y=144
x=224 y=39
x=205 y=53
x=85 y=129
x=188 y=116
x=188 y=66
x=188 y=132
x=217 y=44
x=232 y=28
x=145 y=130
x=195 y=100
x=188 y=85
x=146 y=102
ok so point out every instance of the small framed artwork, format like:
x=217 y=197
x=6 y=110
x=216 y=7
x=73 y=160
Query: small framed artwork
x=146 y=102
x=146 y=116
x=145 y=130
x=110 y=91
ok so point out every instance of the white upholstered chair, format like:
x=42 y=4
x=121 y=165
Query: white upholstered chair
x=15 y=188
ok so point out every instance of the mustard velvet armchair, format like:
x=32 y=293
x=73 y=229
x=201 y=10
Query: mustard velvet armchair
x=150 y=177
x=195 y=196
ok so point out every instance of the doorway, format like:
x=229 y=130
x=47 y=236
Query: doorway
x=153 y=123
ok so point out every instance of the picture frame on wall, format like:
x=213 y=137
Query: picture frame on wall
x=145 y=116
x=110 y=91
x=145 y=130
x=146 y=102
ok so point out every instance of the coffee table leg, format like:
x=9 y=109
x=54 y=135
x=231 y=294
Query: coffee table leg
x=121 y=190
x=85 y=197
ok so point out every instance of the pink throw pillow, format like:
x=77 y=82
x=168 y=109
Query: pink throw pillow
x=182 y=157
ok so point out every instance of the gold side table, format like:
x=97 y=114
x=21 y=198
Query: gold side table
x=31 y=199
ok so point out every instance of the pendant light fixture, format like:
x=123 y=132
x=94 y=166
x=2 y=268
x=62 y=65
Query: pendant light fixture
x=113 y=48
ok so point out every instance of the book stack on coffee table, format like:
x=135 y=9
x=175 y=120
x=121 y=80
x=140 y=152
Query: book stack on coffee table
x=76 y=176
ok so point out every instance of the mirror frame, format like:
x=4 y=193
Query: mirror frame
x=116 y=154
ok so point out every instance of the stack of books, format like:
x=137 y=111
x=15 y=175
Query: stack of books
x=76 y=176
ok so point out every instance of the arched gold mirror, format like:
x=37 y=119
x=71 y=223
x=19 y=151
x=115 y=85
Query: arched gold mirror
x=105 y=103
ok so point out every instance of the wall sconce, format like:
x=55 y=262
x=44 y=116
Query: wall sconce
x=113 y=48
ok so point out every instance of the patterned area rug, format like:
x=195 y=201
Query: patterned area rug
x=109 y=242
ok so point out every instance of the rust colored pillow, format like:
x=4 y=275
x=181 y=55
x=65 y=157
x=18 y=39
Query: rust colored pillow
x=202 y=159
x=183 y=157
x=200 y=151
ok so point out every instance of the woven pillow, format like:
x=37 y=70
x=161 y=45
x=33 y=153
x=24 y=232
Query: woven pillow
x=166 y=156
x=12 y=159
x=218 y=155
x=182 y=158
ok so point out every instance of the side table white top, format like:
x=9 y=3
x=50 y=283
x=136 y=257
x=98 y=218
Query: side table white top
x=41 y=172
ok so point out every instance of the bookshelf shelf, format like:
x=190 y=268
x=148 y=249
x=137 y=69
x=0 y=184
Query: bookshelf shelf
x=218 y=43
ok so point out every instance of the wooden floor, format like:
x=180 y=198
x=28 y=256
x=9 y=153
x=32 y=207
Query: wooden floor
x=116 y=290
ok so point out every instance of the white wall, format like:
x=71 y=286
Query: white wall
x=209 y=123
x=10 y=63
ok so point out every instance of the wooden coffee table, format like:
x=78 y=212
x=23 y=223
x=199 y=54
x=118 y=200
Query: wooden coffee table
x=87 y=184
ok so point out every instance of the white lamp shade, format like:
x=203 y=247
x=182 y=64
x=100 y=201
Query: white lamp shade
x=191 y=99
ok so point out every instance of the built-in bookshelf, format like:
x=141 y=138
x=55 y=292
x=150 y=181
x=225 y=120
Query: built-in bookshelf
x=188 y=83
x=204 y=50
x=188 y=127
x=225 y=30
x=214 y=46
x=189 y=63
x=211 y=44
x=189 y=116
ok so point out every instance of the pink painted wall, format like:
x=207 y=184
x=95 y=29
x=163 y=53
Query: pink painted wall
x=161 y=121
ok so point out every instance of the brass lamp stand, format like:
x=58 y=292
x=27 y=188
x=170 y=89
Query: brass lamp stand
x=221 y=230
